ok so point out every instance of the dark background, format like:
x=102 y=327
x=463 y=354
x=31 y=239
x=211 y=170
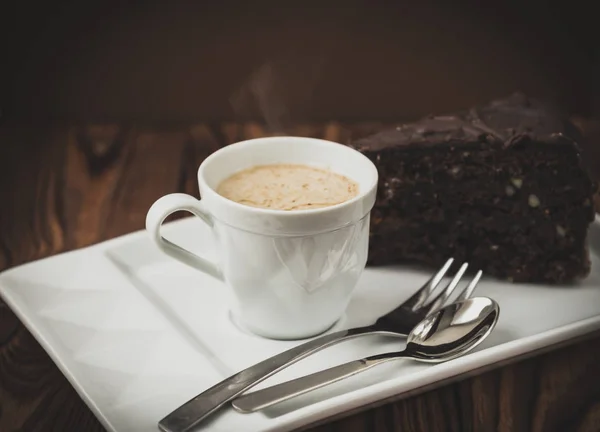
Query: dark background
x=174 y=61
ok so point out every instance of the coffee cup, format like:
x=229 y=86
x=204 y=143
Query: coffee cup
x=292 y=273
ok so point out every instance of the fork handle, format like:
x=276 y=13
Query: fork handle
x=190 y=414
x=281 y=392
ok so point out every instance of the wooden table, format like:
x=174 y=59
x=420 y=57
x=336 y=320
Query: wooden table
x=64 y=186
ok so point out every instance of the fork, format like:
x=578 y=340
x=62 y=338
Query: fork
x=398 y=322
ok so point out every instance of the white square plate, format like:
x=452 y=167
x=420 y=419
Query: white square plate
x=138 y=334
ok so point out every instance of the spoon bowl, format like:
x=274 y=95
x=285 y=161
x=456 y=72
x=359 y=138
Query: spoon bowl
x=453 y=331
x=443 y=335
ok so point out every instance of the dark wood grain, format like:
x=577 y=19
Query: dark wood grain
x=72 y=186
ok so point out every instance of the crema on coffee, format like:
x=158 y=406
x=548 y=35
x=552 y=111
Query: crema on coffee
x=288 y=187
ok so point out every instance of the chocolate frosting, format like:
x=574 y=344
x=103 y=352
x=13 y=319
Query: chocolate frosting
x=505 y=121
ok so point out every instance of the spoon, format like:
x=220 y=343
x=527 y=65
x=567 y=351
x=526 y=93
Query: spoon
x=444 y=335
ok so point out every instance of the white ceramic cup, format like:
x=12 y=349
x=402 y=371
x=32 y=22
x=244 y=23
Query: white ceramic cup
x=292 y=272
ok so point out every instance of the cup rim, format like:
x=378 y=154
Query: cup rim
x=283 y=213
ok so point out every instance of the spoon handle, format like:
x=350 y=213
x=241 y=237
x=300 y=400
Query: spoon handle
x=269 y=396
x=186 y=417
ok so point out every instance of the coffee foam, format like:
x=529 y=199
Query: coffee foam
x=288 y=187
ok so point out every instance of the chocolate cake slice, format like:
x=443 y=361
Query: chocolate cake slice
x=500 y=186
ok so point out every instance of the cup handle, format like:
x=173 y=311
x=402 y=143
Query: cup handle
x=167 y=205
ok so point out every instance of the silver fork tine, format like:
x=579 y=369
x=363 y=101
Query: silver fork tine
x=466 y=293
x=420 y=297
x=447 y=292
